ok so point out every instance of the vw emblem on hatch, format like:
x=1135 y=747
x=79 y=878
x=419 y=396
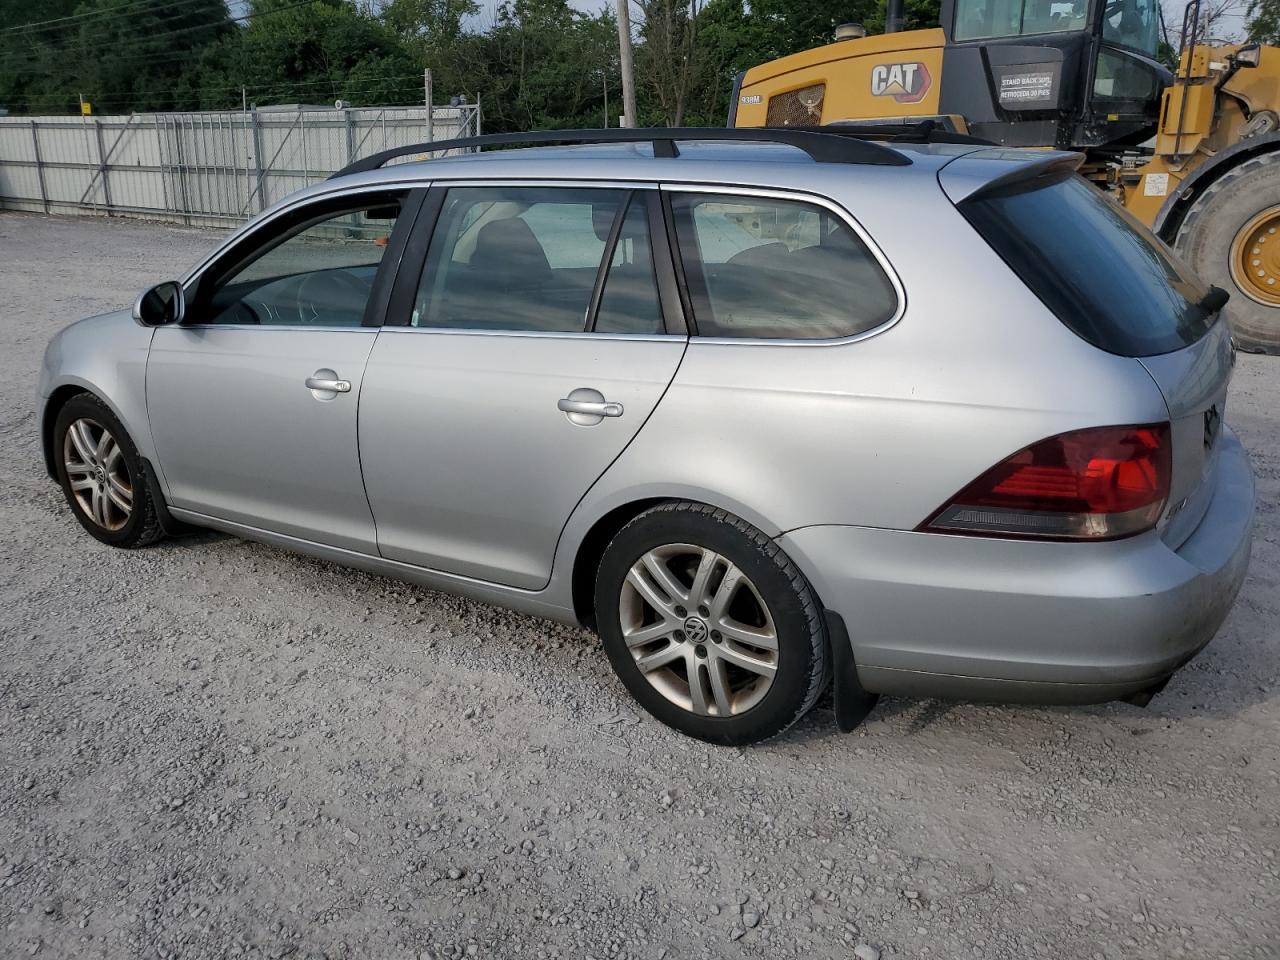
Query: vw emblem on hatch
x=1212 y=424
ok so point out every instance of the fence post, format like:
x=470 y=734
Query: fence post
x=351 y=136
x=102 y=164
x=259 y=186
x=181 y=168
x=35 y=144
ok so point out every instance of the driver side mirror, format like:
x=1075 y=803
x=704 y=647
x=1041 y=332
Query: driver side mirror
x=163 y=304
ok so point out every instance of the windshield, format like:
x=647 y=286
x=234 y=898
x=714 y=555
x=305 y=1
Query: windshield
x=1134 y=24
x=984 y=19
x=1103 y=273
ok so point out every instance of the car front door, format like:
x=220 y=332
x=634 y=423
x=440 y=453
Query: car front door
x=253 y=399
x=521 y=363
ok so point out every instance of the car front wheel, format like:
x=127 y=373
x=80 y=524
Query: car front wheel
x=710 y=625
x=102 y=475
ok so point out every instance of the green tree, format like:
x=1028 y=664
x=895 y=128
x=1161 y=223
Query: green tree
x=434 y=33
x=1263 y=21
x=544 y=65
x=313 y=53
x=118 y=54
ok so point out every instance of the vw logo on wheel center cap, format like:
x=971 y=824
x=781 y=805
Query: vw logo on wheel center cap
x=695 y=628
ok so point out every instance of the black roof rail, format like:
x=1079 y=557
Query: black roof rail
x=825 y=145
x=905 y=130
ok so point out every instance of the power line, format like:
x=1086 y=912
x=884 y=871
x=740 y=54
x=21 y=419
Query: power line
x=76 y=19
x=165 y=34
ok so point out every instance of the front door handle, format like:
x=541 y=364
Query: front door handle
x=595 y=408
x=324 y=383
x=587 y=407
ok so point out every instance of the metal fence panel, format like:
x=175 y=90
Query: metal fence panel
x=199 y=168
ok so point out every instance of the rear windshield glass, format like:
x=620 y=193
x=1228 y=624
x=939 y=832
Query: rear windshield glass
x=1095 y=266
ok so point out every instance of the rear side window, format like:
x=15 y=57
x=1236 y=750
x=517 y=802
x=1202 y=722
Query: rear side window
x=777 y=269
x=1096 y=267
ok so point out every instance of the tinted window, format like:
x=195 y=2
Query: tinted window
x=1095 y=266
x=516 y=258
x=1013 y=18
x=318 y=271
x=760 y=267
x=1133 y=23
x=1122 y=77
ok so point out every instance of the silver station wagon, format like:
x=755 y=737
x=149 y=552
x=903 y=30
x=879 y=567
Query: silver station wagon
x=765 y=409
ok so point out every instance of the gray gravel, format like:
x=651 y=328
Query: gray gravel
x=215 y=749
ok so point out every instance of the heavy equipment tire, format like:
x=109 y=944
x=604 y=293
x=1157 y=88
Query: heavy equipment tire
x=1231 y=238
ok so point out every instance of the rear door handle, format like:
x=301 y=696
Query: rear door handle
x=323 y=383
x=593 y=408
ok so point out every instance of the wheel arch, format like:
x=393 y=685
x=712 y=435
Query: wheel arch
x=57 y=399
x=586 y=560
x=52 y=407
x=1173 y=212
x=610 y=517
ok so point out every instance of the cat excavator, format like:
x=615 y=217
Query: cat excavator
x=1193 y=153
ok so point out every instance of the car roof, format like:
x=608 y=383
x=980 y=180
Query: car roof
x=734 y=164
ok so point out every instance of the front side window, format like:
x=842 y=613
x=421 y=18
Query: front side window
x=533 y=259
x=318 y=270
x=1124 y=77
x=986 y=19
x=778 y=269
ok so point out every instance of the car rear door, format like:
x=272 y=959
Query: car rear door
x=516 y=365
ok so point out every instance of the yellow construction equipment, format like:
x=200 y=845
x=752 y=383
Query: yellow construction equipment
x=1194 y=153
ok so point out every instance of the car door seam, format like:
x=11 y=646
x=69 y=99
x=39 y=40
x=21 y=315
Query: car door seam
x=609 y=466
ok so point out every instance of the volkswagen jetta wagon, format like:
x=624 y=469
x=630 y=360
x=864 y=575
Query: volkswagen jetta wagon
x=761 y=408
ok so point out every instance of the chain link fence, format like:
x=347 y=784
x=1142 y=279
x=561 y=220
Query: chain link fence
x=203 y=169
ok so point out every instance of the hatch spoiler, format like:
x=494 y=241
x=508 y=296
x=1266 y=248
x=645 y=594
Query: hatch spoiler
x=984 y=172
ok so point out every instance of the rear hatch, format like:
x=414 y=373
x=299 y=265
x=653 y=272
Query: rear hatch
x=1109 y=280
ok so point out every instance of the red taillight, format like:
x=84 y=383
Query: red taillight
x=1094 y=484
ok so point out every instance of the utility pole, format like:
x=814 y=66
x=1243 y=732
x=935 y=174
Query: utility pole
x=627 y=64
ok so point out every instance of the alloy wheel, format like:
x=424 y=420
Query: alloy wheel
x=97 y=474
x=699 y=630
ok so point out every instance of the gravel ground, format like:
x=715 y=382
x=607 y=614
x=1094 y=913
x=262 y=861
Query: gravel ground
x=215 y=749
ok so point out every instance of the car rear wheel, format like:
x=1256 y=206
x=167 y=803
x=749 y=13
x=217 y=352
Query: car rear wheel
x=103 y=476
x=710 y=625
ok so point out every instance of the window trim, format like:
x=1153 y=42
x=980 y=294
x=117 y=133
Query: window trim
x=414 y=261
x=797 y=196
x=262 y=237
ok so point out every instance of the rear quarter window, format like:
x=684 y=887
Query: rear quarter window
x=1100 y=271
x=768 y=268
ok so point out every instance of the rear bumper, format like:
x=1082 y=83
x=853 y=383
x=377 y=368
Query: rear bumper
x=1020 y=621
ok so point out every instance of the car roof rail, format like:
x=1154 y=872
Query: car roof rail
x=824 y=145
x=903 y=130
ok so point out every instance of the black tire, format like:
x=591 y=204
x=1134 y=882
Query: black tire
x=142 y=526
x=1205 y=240
x=803 y=658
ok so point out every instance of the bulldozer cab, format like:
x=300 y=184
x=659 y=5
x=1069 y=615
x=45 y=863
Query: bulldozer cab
x=1063 y=73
